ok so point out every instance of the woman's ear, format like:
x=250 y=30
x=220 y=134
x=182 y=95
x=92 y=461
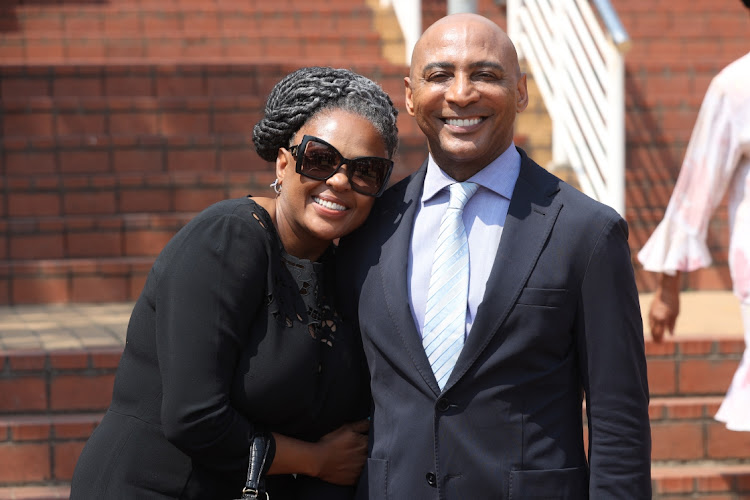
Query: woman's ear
x=282 y=162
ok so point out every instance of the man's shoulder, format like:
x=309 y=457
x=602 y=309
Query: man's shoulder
x=578 y=209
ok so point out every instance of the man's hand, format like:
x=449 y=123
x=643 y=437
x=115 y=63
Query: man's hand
x=665 y=307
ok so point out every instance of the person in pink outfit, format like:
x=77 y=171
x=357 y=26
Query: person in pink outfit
x=717 y=160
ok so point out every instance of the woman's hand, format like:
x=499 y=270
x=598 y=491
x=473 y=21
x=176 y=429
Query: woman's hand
x=342 y=453
x=665 y=307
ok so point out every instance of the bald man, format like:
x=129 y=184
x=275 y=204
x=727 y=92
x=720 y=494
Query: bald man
x=490 y=405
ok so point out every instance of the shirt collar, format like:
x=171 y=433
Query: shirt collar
x=499 y=176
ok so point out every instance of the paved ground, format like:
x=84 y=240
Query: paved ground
x=73 y=326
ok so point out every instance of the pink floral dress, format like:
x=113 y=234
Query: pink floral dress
x=717 y=160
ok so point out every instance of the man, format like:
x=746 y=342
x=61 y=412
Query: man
x=717 y=160
x=550 y=309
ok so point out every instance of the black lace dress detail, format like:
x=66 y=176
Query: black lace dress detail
x=299 y=290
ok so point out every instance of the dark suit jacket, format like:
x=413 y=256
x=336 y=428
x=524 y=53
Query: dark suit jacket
x=560 y=318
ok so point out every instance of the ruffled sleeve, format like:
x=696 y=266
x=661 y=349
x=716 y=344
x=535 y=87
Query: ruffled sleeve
x=679 y=241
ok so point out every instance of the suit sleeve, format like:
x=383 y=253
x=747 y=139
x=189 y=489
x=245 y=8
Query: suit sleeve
x=611 y=348
x=207 y=296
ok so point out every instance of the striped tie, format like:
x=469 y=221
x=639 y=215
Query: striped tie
x=445 y=312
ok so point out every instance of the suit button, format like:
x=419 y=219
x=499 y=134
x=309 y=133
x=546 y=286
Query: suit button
x=443 y=404
x=431 y=479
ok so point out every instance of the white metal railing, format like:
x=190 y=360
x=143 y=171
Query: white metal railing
x=579 y=68
x=409 y=15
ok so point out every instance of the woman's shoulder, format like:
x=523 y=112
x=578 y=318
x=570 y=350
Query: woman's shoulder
x=243 y=210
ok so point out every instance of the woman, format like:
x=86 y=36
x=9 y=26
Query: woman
x=236 y=333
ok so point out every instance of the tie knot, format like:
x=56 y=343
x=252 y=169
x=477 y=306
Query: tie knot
x=460 y=194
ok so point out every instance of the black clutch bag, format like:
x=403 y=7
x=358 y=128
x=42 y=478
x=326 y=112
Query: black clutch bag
x=255 y=485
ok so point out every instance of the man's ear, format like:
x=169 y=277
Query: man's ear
x=409 y=95
x=522 y=94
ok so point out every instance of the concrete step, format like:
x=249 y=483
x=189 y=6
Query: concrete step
x=53 y=492
x=706 y=481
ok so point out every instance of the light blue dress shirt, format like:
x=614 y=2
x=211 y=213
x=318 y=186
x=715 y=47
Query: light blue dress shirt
x=484 y=218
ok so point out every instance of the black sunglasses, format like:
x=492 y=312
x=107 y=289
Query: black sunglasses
x=319 y=160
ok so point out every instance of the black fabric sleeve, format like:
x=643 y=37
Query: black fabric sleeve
x=208 y=294
x=611 y=345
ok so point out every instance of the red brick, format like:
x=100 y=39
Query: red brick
x=195 y=200
x=76 y=203
x=33 y=205
x=133 y=123
x=17 y=124
x=92 y=161
x=122 y=22
x=138 y=160
x=146 y=243
x=235 y=123
x=701 y=376
x=191 y=160
x=129 y=85
x=77 y=86
x=675 y=485
x=661 y=376
x=24 y=462
x=135 y=286
x=85 y=51
x=29 y=162
x=94 y=244
x=80 y=428
x=44 y=51
x=22 y=394
x=36 y=246
x=162 y=22
x=178 y=85
x=184 y=123
x=125 y=49
x=146 y=200
x=238 y=160
x=106 y=358
x=81 y=123
x=725 y=444
x=24 y=87
x=66 y=455
x=31 y=431
x=99 y=289
x=68 y=360
x=20 y=361
x=71 y=392
x=39 y=290
x=677 y=441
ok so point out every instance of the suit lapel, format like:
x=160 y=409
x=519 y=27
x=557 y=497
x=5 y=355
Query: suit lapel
x=532 y=213
x=393 y=270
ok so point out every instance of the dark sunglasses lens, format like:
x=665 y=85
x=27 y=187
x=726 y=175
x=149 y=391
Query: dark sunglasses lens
x=319 y=161
x=369 y=174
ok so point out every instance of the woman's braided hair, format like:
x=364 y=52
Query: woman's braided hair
x=306 y=92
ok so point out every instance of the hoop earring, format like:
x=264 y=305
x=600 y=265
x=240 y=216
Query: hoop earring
x=276 y=185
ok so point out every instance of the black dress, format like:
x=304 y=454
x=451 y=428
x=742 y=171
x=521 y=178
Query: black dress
x=230 y=333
